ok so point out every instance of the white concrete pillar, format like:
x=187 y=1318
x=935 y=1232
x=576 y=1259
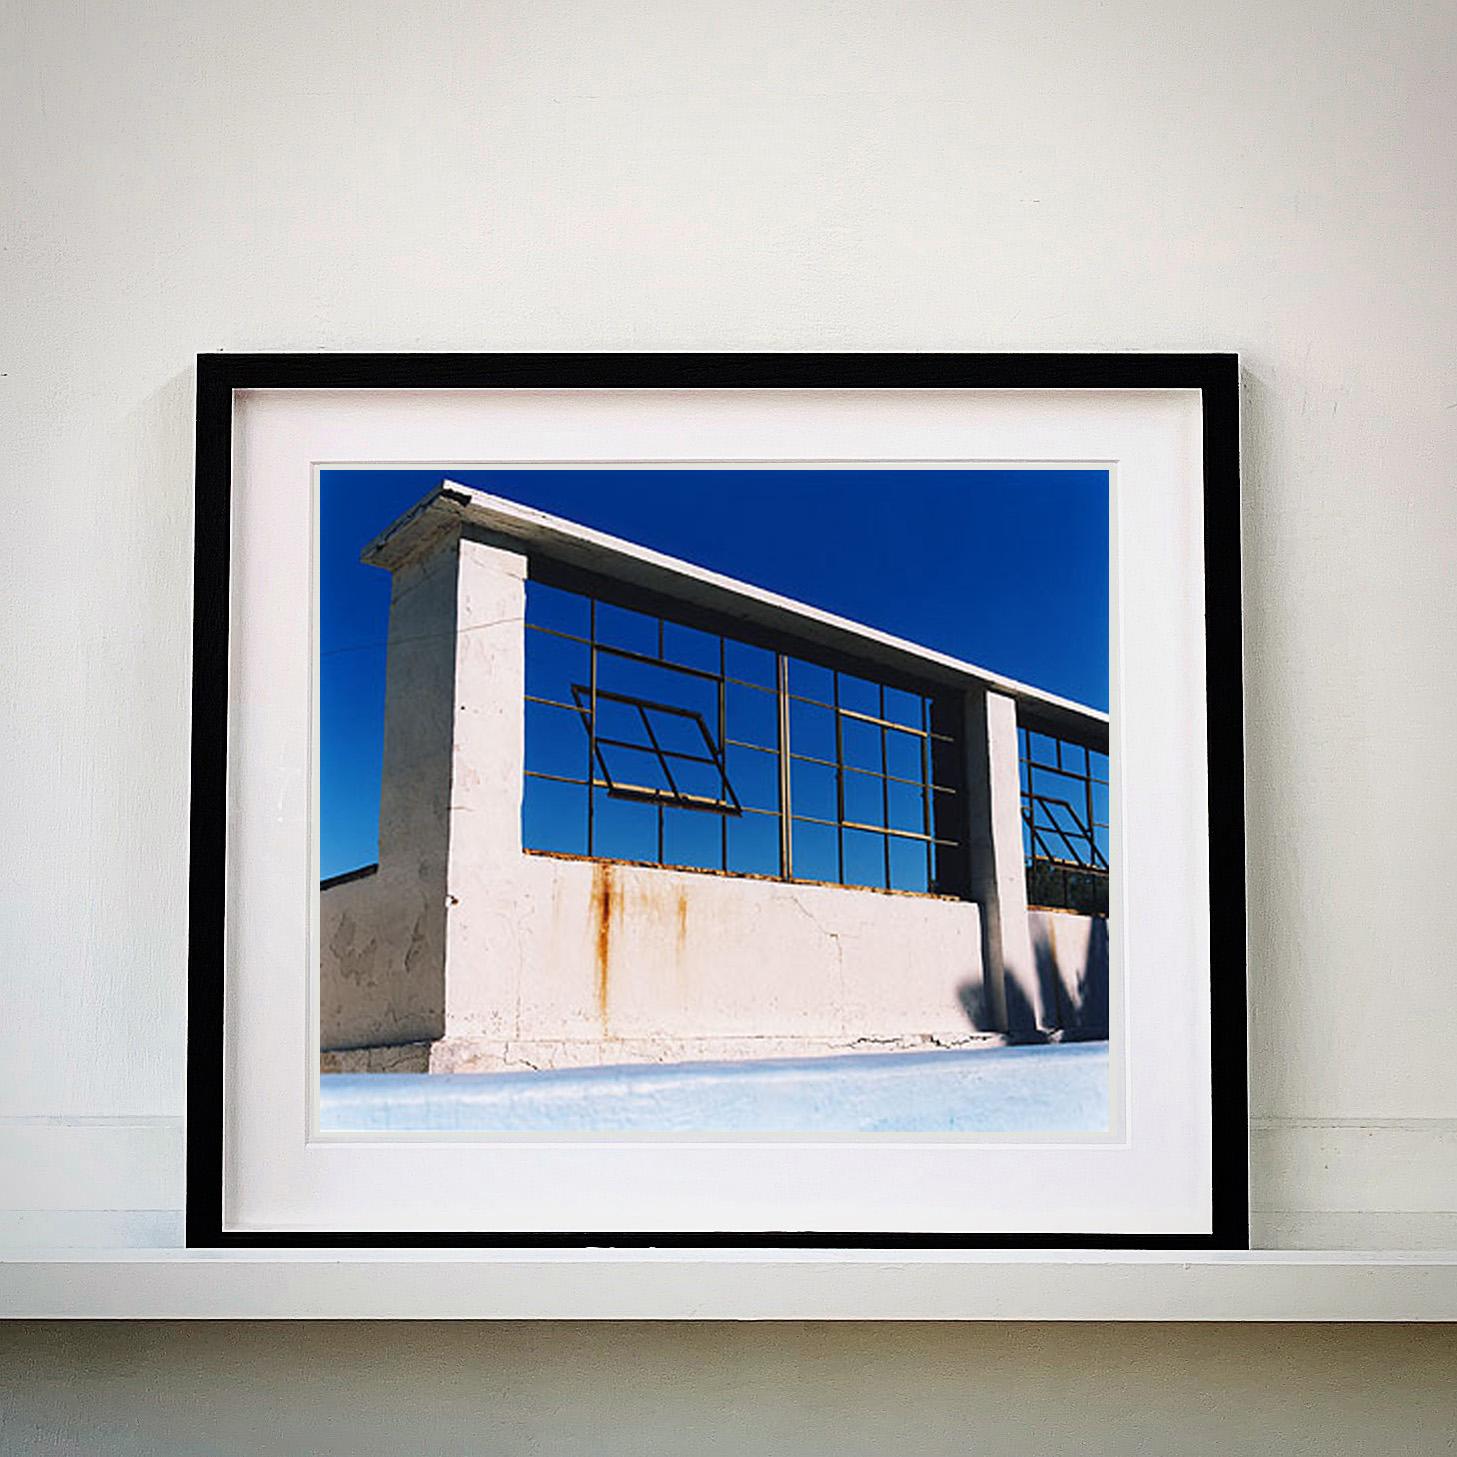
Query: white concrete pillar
x=454 y=713
x=414 y=796
x=450 y=797
x=1015 y=996
x=484 y=880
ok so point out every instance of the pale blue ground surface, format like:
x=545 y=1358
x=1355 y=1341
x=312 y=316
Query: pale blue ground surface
x=1052 y=1089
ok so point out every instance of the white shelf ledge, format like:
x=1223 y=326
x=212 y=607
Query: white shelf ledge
x=726 y=1285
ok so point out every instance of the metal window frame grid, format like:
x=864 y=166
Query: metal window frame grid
x=949 y=806
x=1090 y=862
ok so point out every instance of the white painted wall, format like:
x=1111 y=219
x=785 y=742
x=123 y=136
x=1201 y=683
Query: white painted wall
x=1149 y=174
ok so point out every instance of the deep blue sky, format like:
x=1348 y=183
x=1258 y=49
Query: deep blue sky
x=1007 y=569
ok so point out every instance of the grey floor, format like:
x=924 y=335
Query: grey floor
x=788 y=1390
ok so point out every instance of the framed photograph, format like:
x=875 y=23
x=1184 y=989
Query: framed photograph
x=717 y=800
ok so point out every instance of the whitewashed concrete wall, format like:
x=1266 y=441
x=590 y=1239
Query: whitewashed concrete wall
x=1144 y=174
x=618 y=963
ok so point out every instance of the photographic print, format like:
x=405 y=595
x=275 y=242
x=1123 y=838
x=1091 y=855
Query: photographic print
x=671 y=800
x=714 y=800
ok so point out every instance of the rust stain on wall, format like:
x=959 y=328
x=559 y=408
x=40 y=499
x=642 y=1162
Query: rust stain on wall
x=682 y=922
x=606 y=900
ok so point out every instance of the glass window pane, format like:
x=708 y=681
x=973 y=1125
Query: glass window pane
x=619 y=627
x=816 y=853
x=1100 y=803
x=1061 y=844
x=681 y=734
x=753 y=844
x=693 y=838
x=617 y=720
x=703 y=781
x=624 y=829
x=812 y=790
x=556 y=741
x=809 y=680
x=554 y=608
x=657 y=684
x=752 y=716
x=1042 y=749
x=689 y=646
x=554 y=817
x=903 y=707
x=1099 y=765
x=908 y=869
x=1069 y=796
x=907 y=807
x=755 y=778
x=859 y=695
x=633 y=768
x=554 y=664
x=749 y=664
x=903 y=754
x=860 y=744
x=811 y=730
x=864 y=858
x=864 y=798
x=1044 y=814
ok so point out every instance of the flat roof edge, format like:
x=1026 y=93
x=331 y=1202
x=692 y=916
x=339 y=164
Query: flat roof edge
x=582 y=547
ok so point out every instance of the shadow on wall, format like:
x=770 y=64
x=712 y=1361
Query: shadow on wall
x=1020 y=1012
x=1072 y=962
x=1071 y=957
x=977 y=1006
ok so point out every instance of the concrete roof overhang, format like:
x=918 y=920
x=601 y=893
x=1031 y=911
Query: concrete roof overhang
x=540 y=536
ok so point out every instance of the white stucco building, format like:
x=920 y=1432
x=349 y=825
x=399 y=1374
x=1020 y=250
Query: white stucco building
x=633 y=811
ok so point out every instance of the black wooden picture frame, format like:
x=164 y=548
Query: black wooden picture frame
x=1215 y=376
